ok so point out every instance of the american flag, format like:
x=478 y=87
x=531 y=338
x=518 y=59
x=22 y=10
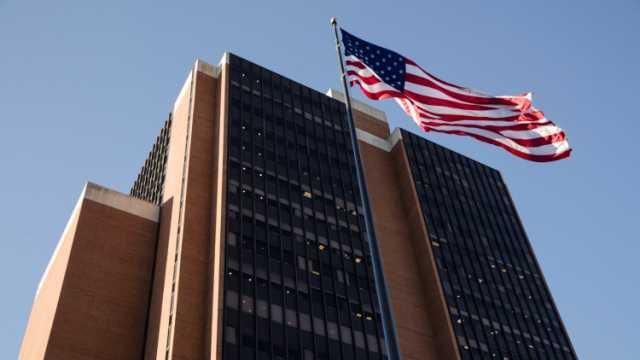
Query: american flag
x=510 y=122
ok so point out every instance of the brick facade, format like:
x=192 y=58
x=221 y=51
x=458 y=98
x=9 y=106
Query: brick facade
x=133 y=279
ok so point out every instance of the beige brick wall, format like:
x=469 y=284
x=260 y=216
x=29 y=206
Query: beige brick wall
x=94 y=298
x=422 y=325
x=188 y=226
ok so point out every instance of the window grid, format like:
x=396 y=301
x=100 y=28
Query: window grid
x=149 y=183
x=498 y=302
x=285 y=141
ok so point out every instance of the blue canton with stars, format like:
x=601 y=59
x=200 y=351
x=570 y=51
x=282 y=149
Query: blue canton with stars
x=387 y=64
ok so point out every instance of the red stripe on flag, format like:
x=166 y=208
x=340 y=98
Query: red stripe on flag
x=537 y=158
x=463 y=97
x=509 y=122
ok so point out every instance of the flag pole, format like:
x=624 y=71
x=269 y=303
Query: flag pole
x=388 y=325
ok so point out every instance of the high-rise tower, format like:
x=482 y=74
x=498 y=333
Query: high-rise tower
x=242 y=238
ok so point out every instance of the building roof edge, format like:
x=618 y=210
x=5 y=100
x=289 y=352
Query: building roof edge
x=120 y=201
x=358 y=105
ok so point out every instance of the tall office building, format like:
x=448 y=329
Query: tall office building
x=242 y=238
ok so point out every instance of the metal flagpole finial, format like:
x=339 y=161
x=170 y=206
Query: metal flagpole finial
x=333 y=21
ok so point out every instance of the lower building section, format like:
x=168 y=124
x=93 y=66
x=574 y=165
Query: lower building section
x=93 y=298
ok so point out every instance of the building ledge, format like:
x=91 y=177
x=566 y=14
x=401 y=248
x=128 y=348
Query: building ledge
x=120 y=201
x=359 y=105
x=383 y=144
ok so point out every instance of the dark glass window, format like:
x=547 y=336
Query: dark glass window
x=298 y=282
x=149 y=184
x=498 y=302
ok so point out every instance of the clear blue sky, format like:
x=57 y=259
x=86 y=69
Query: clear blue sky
x=85 y=87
